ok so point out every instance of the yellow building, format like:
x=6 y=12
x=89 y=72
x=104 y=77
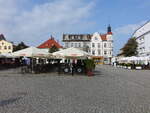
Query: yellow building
x=5 y=46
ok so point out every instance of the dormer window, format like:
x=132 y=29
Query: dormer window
x=96 y=38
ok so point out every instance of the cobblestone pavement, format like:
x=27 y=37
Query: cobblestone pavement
x=111 y=90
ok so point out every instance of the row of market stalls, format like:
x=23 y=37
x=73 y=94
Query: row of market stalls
x=132 y=62
x=37 y=60
x=137 y=60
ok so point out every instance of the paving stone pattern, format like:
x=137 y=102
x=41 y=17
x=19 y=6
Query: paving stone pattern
x=111 y=90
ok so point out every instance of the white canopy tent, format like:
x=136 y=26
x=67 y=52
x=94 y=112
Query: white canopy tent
x=137 y=60
x=31 y=52
x=7 y=55
x=71 y=53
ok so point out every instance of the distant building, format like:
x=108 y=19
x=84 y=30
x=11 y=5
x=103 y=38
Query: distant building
x=2 y=37
x=142 y=36
x=98 y=45
x=49 y=43
x=5 y=46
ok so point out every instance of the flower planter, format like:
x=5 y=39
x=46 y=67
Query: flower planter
x=90 y=73
x=125 y=67
x=138 y=67
x=89 y=65
x=118 y=66
x=129 y=67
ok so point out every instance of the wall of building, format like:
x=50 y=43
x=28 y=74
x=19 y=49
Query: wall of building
x=147 y=44
x=5 y=47
x=143 y=38
x=142 y=30
x=96 y=46
x=101 y=47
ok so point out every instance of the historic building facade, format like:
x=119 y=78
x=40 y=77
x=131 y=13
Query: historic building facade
x=142 y=36
x=5 y=46
x=100 y=46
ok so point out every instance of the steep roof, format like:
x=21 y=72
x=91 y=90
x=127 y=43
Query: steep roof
x=2 y=37
x=49 y=43
x=104 y=37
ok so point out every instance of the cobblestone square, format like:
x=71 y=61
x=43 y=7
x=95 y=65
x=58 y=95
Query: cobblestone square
x=111 y=90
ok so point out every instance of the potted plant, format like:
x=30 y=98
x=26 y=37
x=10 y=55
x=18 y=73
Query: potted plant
x=121 y=65
x=129 y=66
x=138 y=66
x=89 y=65
x=124 y=65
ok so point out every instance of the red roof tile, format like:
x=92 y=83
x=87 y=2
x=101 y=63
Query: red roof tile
x=109 y=33
x=49 y=43
x=104 y=37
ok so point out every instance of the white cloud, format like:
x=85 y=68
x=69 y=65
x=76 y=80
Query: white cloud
x=35 y=24
x=128 y=29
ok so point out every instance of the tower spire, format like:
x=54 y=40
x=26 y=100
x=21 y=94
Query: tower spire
x=109 y=29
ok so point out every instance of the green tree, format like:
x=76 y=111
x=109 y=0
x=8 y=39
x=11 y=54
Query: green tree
x=20 y=46
x=130 y=48
x=53 y=49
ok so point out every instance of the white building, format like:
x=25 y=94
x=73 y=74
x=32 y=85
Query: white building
x=142 y=36
x=98 y=45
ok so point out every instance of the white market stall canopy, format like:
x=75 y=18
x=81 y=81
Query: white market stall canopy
x=32 y=52
x=71 y=53
x=7 y=55
x=134 y=59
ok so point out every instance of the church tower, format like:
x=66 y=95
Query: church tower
x=109 y=30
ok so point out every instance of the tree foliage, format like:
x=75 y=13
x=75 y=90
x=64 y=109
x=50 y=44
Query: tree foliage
x=130 y=48
x=89 y=64
x=20 y=46
x=53 y=49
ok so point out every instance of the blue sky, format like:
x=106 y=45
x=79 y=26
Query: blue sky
x=33 y=21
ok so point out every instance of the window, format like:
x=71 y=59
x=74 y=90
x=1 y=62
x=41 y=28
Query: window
x=5 y=47
x=9 y=47
x=66 y=44
x=79 y=44
x=105 y=52
x=93 y=45
x=93 y=52
x=71 y=44
x=96 y=38
x=110 y=45
x=89 y=51
x=75 y=37
x=84 y=44
x=99 y=45
x=110 y=53
x=105 y=45
x=75 y=44
x=99 y=52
